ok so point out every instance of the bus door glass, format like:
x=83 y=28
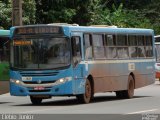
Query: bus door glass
x=76 y=50
x=77 y=68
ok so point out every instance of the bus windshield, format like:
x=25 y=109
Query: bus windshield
x=158 y=52
x=42 y=53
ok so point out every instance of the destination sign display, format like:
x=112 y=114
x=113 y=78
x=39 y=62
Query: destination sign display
x=22 y=42
x=38 y=30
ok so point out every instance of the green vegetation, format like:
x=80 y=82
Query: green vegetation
x=4 y=71
x=29 y=11
x=122 y=13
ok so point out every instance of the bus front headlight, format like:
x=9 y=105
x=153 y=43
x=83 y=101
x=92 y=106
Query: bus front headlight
x=60 y=81
x=63 y=80
x=15 y=81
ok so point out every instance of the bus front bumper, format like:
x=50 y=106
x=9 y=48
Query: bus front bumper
x=38 y=89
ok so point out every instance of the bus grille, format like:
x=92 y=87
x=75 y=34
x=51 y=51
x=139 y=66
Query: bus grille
x=36 y=82
x=39 y=90
x=38 y=74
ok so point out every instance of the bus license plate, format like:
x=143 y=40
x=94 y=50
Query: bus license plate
x=39 y=88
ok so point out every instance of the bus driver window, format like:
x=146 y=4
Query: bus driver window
x=76 y=50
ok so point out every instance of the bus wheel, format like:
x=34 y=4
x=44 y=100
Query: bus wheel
x=86 y=97
x=129 y=93
x=35 y=100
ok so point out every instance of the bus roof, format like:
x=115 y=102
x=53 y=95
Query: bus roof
x=4 y=33
x=112 y=30
x=157 y=36
x=101 y=29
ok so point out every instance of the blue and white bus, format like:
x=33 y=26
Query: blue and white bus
x=157 y=65
x=4 y=54
x=68 y=60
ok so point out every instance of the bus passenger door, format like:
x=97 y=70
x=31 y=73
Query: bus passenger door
x=78 y=72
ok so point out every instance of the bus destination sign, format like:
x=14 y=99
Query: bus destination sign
x=38 y=30
x=22 y=42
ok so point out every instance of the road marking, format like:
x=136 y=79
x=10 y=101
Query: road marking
x=47 y=109
x=34 y=111
x=143 y=111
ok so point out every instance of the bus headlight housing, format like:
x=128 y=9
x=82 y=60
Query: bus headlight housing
x=15 y=81
x=63 y=80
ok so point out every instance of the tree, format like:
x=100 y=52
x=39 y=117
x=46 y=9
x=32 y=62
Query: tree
x=147 y=10
x=5 y=14
x=122 y=13
x=49 y=11
x=120 y=17
x=29 y=10
x=152 y=12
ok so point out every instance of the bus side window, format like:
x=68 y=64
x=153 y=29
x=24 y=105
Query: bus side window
x=76 y=50
x=132 y=42
x=88 y=46
x=141 y=48
x=157 y=52
x=98 y=46
x=111 y=50
x=122 y=48
x=149 y=48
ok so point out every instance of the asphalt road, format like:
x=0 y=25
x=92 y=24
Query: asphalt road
x=145 y=101
x=5 y=87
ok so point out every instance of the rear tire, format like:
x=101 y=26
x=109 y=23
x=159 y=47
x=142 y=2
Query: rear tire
x=129 y=93
x=88 y=95
x=35 y=100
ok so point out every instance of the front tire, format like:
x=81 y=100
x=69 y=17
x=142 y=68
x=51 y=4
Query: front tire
x=88 y=95
x=35 y=100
